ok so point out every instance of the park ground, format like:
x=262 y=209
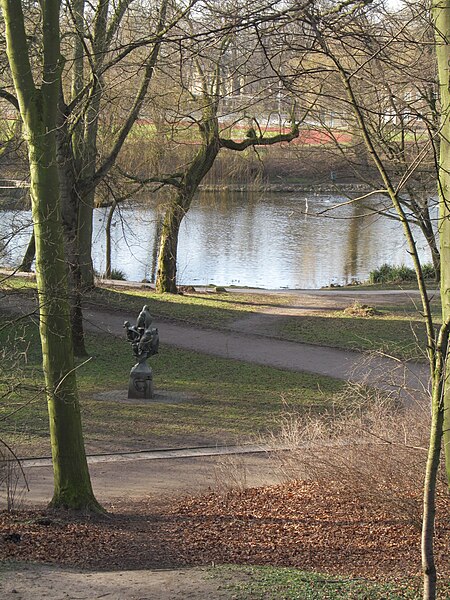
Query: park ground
x=233 y=526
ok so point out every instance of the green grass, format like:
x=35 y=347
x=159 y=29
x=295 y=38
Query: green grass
x=397 y=329
x=217 y=400
x=275 y=583
x=396 y=334
x=206 y=309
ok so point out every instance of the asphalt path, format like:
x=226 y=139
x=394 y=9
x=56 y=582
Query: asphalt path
x=193 y=471
x=408 y=379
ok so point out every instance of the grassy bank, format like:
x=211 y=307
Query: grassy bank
x=396 y=329
x=393 y=331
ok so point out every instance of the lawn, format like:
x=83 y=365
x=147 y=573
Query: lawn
x=280 y=583
x=397 y=334
x=202 y=399
x=396 y=328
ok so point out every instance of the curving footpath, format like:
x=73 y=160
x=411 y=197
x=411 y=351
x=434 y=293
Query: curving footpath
x=188 y=472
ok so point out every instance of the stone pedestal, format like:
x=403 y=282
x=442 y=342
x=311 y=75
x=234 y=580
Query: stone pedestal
x=141 y=382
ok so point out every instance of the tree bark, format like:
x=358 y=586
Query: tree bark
x=156 y=245
x=28 y=257
x=441 y=15
x=108 y=268
x=38 y=108
x=432 y=468
x=166 y=277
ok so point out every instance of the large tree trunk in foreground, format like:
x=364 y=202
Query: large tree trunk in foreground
x=38 y=108
x=71 y=477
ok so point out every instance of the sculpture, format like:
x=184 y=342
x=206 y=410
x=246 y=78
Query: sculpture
x=144 y=341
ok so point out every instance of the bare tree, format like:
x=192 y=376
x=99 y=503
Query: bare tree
x=223 y=84
x=38 y=100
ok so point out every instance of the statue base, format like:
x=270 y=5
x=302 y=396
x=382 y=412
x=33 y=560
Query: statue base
x=141 y=382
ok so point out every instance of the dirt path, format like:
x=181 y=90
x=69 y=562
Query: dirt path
x=34 y=582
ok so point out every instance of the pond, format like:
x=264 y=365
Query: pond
x=267 y=240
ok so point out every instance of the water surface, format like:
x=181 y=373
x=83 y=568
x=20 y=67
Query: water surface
x=257 y=240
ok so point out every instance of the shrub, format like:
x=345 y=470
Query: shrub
x=399 y=274
x=118 y=275
x=377 y=447
x=428 y=271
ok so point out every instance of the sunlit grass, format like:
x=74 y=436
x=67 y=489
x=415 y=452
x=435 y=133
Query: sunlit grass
x=277 y=583
x=207 y=309
x=397 y=329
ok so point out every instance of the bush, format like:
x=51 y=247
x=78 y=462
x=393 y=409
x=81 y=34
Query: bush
x=118 y=275
x=428 y=271
x=399 y=274
x=374 y=445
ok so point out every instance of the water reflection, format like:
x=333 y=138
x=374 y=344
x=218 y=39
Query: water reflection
x=269 y=241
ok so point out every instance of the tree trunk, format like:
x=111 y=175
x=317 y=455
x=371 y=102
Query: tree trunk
x=108 y=268
x=432 y=467
x=69 y=212
x=441 y=15
x=85 y=217
x=156 y=245
x=426 y=225
x=28 y=257
x=38 y=109
x=166 y=279
x=72 y=487
x=203 y=161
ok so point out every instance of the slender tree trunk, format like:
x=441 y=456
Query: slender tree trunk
x=441 y=15
x=108 y=268
x=69 y=212
x=89 y=149
x=432 y=467
x=435 y=258
x=28 y=257
x=426 y=225
x=85 y=216
x=156 y=245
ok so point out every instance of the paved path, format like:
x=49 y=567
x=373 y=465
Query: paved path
x=382 y=372
x=190 y=472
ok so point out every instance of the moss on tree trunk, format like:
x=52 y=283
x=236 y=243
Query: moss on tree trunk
x=39 y=109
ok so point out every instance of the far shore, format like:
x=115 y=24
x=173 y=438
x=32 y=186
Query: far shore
x=19 y=199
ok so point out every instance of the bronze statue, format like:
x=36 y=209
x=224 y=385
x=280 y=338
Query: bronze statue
x=143 y=338
x=144 y=341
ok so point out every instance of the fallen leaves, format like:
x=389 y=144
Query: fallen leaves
x=296 y=524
